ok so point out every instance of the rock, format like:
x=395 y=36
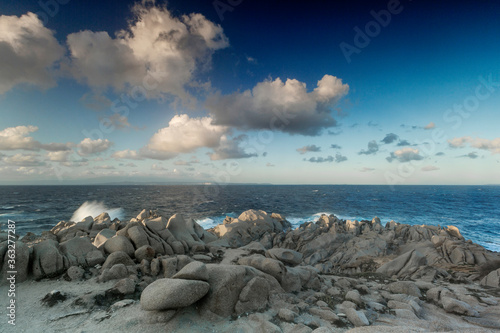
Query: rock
x=357 y=318
x=94 y=258
x=54 y=297
x=322 y=330
x=121 y=304
x=125 y=286
x=47 y=260
x=354 y=296
x=286 y=256
x=405 y=314
x=327 y=315
x=458 y=307
x=138 y=236
x=454 y=232
x=404 y=287
x=253 y=297
x=187 y=230
x=118 y=257
x=118 y=271
x=76 y=250
x=103 y=236
x=405 y=264
x=267 y=265
x=75 y=273
x=145 y=252
x=21 y=255
x=287 y=315
x=492 y=279
x=254 y=247
x=166 y=294
x=300 y=328
x=157 y=317
x=119 y=243
x=144 y=214
x=193 y=271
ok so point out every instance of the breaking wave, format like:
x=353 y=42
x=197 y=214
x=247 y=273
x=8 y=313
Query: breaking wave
x=95 y=208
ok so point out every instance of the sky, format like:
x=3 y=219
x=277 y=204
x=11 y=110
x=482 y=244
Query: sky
x=239 y=91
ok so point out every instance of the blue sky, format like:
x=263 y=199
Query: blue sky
x=380 y=92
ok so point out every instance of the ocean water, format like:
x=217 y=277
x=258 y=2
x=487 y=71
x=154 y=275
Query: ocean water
x=475 y=210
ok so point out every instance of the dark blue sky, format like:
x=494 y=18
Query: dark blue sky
x=409 y=75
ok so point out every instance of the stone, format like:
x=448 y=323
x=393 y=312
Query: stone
x=21 y=255
x=327 y=315
x=253 y=297
x=94 y=258
x=118 y=257
x=286 y=256
x=405 y=314
x=270 y=266
x=138 y=236
x=125 y=286
x=76 y=250
x=357 y=318
x=103 y=236
x=322 y=330
x=193 y=271
x=75 y=273
x=405 y=264
x=254 y=247
x=458 y=307
x=188 y=230
x=118 y=271
x=47 y=260
x=454 y=232
x=354 y=296
x=405 y=287
x=145 y=252
x=119 y=243
x=492 y=279
x=121 y=304
x=167 y=294
x=287 y=315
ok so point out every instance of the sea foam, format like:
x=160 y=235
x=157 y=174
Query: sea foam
x=95 y=208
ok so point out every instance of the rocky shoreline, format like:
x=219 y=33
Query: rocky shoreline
x=253 y=273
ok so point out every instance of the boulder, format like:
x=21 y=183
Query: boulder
x=253 y=297
x=404 y=287
x=75 y=273
x=193 y=271
x=458 y=307
x=21 y=255
x=286 y=256
x=166 y=294
x=354 y=296
x=119 y=243
x=492 y=279
x=94 y=258
x=406 y=264
x=357 y=318
x=138 y=236
x=118 y=271
x=144 y=252
x=270 y=266
x=76 y=250
x=187 y=230
x=118 y=257
x=103 y=236
x=125 y=286
x=48 y=260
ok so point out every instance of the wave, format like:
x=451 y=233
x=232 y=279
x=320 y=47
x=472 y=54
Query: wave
x=95 y=208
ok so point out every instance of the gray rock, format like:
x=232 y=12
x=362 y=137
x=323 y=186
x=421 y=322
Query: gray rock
x=357 y=318
x=166 y=294
x=354 y=296
x=118 y=257
x=324 y=314
x=253 y=297
x=287 y=315
x=193 y=271
x=47 y=260
x=405 y=264
x=322 y=330
x=21 y=255
x=125 y=286
x=458 y=307
x=492 y=279
x=404 y=287
x=76 y=250
x=94 y=258
x=138 y=236
x=118 y=271
x=75 y=273
x=103 y=236
x=119 y=243
x=270 y=266
x=144 y=252
x=187 y=230
x=405 y=314
x=286 y=256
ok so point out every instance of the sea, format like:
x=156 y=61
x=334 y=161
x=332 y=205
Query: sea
x=475 y=210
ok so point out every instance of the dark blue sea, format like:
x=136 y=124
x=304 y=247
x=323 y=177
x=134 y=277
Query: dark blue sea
x=475 y=210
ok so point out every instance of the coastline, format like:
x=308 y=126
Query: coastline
x=252 y=273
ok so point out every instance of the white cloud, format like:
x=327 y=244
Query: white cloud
x=485 y=144
x=429 y=126
x=459 y=142
x=170 y=48
x=158 y=167
x=127 y=154
x=23 y=160
x=277 y=105
x=405 y=155
x=89 y=146
x=185 y=134
x=429 y=168
x=58 y=156
x=28 y=50
x=372 y=148
x=13 y=138
x=104 y=167
x=231 y=149
x=310 y=148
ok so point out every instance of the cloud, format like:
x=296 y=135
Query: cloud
x=13 y=138
x=156 y=51
x=231 y=149
x=405 y=155
x=185 y=134
x=429 y=126
x=320 y=159
x=373 y=124
x=127 y=154
x=104 y=167
x=484 y=144
x=372 y=148
x=270 y=165
x=473 y=155
x=23 y=160
x=28 y=51
x=390 y=138
x=365 y=169
x=95 y=101
x=58 y=156
x=310 y=148
x=158 y=167
x=89 y=146
x=181 y=162
x=440 y=153
x=339 y=158
x=335 y=146
x=429 y=168
x=334 y=132
x=277 y=105
x=403 y=143
x=131 y=165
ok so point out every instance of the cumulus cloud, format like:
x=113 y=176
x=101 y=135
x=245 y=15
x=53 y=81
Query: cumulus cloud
x=320 y=159
x=429 y=168
x=429 y=126
x=13 y=138
x=58 y=156
x=390 y=138
x=335 y=146
x=372 y=148
x=89 y=146
x=23 y=160
x=491 y=145
x=310 y=148
x=231 y=149
x=340 y=158
x=473 y=155
x=127 y=154
x=277 y=105
x=185 y=134
x=181 y=162
x=28 y=52
x=104 y=167
x=405 y=155
x=157 y=51
x=403 y=143
x=158 y=167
